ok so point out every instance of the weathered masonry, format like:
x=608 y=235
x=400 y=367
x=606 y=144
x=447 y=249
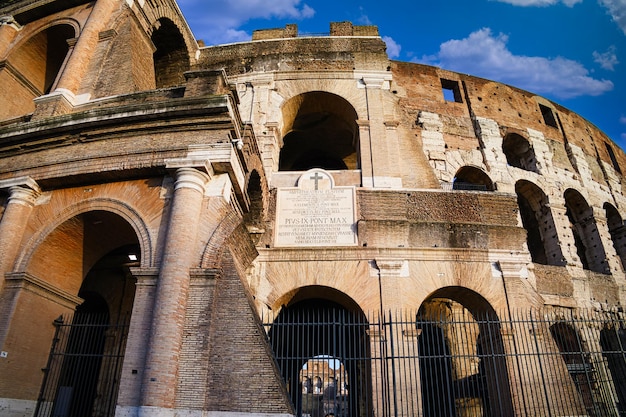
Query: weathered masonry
x=294 y=225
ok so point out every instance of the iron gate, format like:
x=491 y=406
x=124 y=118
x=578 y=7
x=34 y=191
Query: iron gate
x=81 y=378
x=546 y=364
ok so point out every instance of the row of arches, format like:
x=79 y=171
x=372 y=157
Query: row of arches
x=538 y=219
x=450 y=358
x=542 y=237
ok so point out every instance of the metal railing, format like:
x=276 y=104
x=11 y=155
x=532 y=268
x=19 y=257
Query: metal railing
x=402 y=364
x=82 y=374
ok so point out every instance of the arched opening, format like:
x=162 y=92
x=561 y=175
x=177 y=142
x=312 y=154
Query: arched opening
x=537 y=219
x=319 y=131
x=472 y=179
x=613 y=343
x=253 y=218
x=171 y=58
x=519 y=153
x=617 y=231
x=579 y=367
x=88 y=350
x=462 y=367
x=589 y=247
x=33 y=68
x=321 y=345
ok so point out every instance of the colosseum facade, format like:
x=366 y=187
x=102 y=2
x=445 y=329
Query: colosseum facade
x=294 y=225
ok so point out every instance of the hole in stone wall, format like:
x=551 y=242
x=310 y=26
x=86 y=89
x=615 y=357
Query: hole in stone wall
x=451 y=91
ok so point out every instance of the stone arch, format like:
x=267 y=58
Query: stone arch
x=84 y=257
x=587 y=240
x=33 y=66
x=473 y=366
x=617 y=231
x=257 y=193
x=118 y=208
x=319 y=324
x=542 y=240
x=519 y=152
x=574 y=353
x=319 y=130
x=171 y=57
x=472 y=178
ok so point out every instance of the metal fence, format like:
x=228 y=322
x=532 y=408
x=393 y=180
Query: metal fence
x=81 y=377
x=339 y=363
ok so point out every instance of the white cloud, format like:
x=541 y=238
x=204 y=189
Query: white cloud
x=536 y=3
x=393 y=48
x=622 y=120
x=220 y=20
x=607 y=60
x=485 y=55
x=617 y=10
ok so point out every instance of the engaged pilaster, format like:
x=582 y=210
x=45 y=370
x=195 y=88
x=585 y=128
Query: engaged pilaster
x=160 y=373
x=23 y=193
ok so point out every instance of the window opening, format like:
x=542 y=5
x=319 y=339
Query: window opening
x=451 y=91
x=548 y=115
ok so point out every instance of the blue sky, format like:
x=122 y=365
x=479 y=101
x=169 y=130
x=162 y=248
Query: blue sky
x=570 y=51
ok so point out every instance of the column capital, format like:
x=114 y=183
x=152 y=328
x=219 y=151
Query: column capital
x=23 y=190
x=10 y=21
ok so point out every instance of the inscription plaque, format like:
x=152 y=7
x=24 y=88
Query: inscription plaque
x=315 y=213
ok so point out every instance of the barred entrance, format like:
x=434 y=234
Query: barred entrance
x=322 y=350
x=82 y=375
x=531 y=364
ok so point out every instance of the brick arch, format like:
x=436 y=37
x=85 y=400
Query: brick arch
x=319 y=130
x=99 y=204
x=33 y=65
x=35 y=28
x=217 y=243
x=174 y=16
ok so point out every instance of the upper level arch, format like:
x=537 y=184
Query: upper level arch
x=587 y=240
x=33 y=67
x=617 y=231
x=171 y=57
x=319 y=130
x=519 y=152
x=537 y=219
x=472 y=178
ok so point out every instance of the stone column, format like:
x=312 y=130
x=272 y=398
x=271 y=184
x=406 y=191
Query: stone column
x=161 y=370
x=79 y=60
x=23 y=194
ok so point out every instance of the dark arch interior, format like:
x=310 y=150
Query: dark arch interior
x=310 y=329
x=472 y=380
x=471 y=178
x=519 y=153
x=171 y=58
x=86 y=382
x=587 y=240
x=538 y=222
x=617 y=231
x=320 y=132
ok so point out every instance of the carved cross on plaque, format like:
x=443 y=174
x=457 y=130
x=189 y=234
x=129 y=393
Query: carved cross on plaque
x=317 y=177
